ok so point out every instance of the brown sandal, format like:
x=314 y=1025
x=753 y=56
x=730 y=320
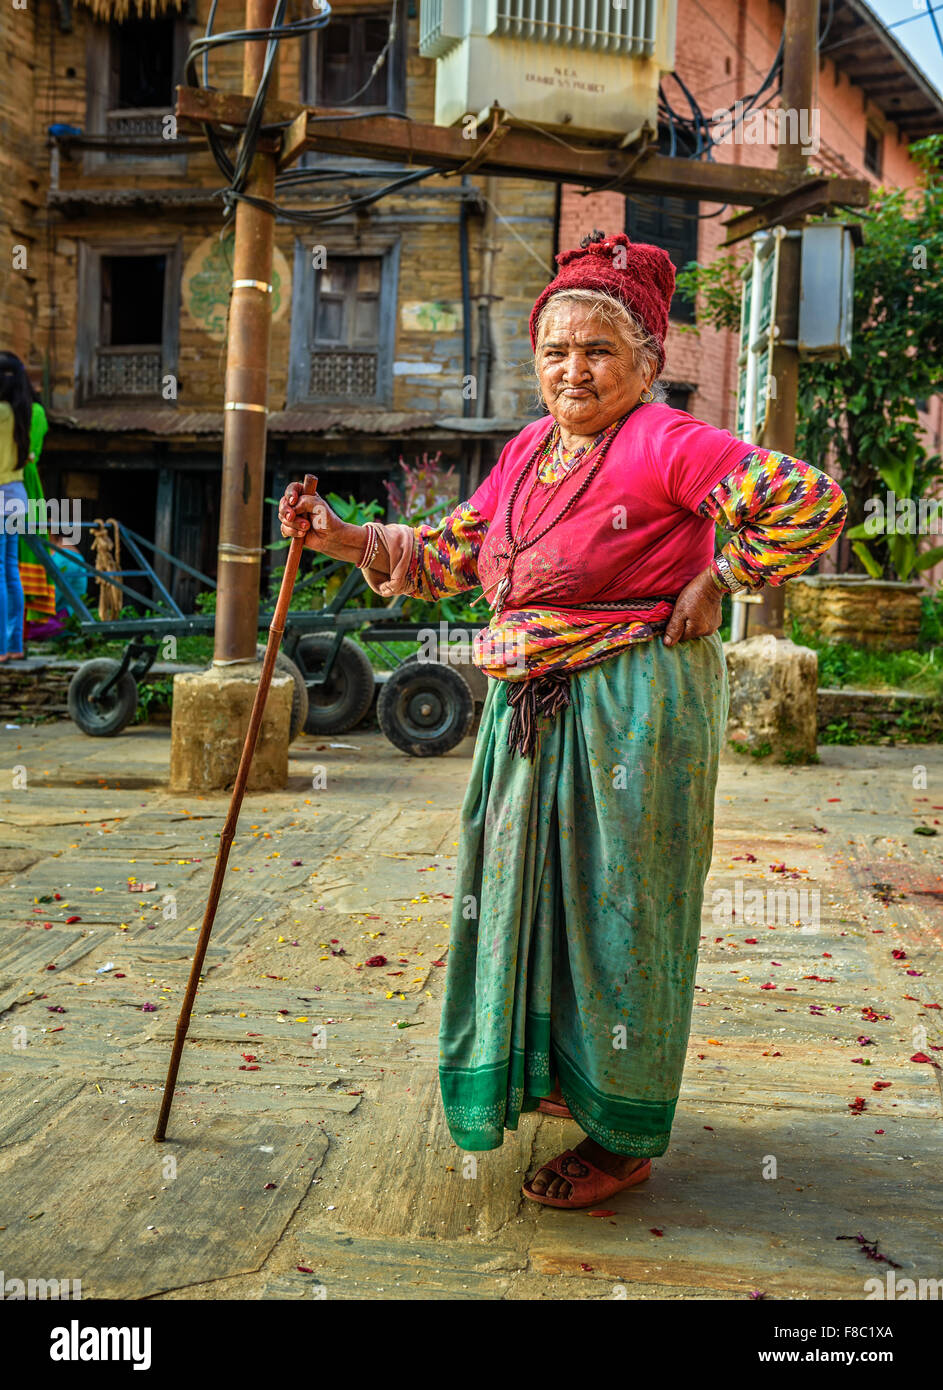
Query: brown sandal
x=557 y=1108
x=589 y=1185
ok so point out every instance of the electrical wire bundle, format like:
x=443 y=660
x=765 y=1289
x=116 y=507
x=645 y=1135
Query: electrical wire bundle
x=236 y=172
x=689 y=136
x=692 y=135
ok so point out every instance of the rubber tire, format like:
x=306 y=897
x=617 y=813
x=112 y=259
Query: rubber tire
x=448 y=721
x=342 y=703
x=299 y=698
x=120 y=703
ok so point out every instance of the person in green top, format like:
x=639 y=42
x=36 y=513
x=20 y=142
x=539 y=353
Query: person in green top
x=17 y=398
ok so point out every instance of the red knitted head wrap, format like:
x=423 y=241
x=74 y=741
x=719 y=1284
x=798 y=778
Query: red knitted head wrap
x=640 y=276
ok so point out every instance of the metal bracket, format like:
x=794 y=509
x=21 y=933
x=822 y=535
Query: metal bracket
x=488 y=145
x=646 y=150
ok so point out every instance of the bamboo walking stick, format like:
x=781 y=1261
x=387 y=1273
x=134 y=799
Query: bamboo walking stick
x=229 y=829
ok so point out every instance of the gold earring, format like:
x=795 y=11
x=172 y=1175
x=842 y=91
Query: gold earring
x=649 y=397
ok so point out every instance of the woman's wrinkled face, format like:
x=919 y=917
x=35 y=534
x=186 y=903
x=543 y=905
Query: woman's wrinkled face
x=587 y=372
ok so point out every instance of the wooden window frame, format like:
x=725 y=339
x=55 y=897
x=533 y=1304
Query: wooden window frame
x=396 y=86
x=90 y=256
x=681 y=311
x=98 y=105
x=395 y=65
x=387 y=248
x=877 y=133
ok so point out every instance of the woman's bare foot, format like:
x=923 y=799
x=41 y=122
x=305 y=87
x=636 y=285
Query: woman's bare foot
x=550 y=1184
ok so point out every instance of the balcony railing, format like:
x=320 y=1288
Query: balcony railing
x=140 y=123
x=127 y=371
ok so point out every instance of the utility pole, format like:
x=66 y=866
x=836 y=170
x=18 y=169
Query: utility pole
x=798 y=89
x=247 y=365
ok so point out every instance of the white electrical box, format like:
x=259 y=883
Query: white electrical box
x=590 y=67
x=827 y=290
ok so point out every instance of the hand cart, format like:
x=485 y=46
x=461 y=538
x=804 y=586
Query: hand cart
x=425 y=702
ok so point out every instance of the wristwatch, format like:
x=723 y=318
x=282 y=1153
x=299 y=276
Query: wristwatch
x=726 y=576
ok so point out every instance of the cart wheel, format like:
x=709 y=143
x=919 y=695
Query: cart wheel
x=344 y=699
x=299 y=696
x=425 y=708
x=102 y=716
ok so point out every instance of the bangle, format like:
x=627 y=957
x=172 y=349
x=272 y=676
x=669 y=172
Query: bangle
x=371 y=546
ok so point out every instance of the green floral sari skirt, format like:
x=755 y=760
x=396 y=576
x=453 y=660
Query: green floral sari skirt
x=577 y=910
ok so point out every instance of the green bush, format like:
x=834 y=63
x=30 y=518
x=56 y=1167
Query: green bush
x=842 y=663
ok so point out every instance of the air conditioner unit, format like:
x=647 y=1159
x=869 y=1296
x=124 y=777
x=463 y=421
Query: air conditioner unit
x=590 y=67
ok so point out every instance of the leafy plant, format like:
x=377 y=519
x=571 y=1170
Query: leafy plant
x=157 y=694
x=901 y=474
x=840 y=731
x=716 y=288
x=920 y=672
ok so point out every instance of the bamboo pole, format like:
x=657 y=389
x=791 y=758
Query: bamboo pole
x=229 y=829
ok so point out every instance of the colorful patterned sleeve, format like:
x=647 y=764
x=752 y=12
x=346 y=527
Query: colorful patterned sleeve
x=784 y=514
x=445 y=556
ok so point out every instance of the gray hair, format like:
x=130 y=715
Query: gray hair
x=615 y=314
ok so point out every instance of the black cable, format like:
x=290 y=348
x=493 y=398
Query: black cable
x=828 y=24
x=332 y=212
x=235 y=173
x=250 y=136
x=206 y=56
x=294 y=29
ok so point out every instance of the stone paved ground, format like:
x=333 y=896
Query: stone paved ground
x=293 y=1167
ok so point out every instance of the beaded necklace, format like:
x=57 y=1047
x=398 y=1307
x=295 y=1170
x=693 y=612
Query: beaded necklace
x=524 y=539
x=557 y=462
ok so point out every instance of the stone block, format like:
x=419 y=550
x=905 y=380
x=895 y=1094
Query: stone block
x=211 y=711
x=773 y=699
x=882 y=614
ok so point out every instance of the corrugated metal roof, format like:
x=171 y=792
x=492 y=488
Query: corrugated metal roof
x=170 y=421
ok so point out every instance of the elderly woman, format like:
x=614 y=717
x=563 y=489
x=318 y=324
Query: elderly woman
x=587 y=823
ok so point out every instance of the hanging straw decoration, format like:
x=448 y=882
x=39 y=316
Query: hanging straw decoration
x=117 y=11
